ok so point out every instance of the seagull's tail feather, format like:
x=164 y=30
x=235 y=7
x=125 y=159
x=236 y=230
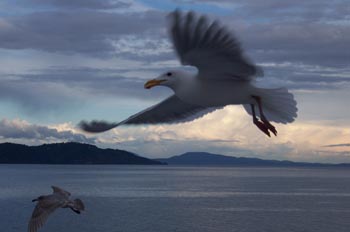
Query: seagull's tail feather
x=96 y=126
x=278 y=105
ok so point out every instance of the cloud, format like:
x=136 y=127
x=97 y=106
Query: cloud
x=80 y=4
x=297 y=51
x=338 y=145
x=279 y=32
x=308 y=33
x=58 y=88
x=311 y=32
x=231 y=132
x=305 y=77
x=62 y=88
x=38 y=97
x=313 y=43
x=311 y=10
x=23 y=131
x=87 y=32
x=318 y=41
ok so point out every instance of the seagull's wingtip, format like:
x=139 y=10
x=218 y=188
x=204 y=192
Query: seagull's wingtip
x=96 y=126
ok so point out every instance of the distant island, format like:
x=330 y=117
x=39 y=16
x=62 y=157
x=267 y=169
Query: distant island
x=208 y=159
x=67 y=153
x=80 y=153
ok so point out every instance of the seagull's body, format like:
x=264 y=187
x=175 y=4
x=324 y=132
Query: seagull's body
x=225 y=77
x=211 y=93
x=49 y=203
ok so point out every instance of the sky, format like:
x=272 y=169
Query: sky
x=62 y=61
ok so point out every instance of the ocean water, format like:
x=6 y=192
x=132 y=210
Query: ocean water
x=180 y=199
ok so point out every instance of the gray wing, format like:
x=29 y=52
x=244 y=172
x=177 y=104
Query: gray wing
x=171 y=110
x=60 y=191
x=41 y=212
x=210 y=47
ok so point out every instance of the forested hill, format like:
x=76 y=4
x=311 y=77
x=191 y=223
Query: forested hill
x=208 y=159
x=67 y=153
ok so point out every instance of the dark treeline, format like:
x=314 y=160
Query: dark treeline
x=67 y=153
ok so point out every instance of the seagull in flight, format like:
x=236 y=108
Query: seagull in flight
x=49 y=203
x=225 y=76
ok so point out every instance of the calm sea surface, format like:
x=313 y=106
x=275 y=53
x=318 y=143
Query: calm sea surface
x=180 y=199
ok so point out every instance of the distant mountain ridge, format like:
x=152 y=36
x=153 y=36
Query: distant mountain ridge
x=78 y=153
x=67 y=153
x=209 y=159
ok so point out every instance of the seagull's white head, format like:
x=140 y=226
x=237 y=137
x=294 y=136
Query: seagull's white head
x=170 y=79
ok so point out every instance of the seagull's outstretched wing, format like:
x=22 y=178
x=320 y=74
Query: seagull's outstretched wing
x=41 y=212
x=60 y=191
x=210 y=47
x=171 y=110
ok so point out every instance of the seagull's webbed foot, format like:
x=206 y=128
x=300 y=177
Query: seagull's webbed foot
x=266 y=124
x=262 y=127
x=270 y=126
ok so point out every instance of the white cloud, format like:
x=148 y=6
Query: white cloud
x=21 y=131
x=231 y=132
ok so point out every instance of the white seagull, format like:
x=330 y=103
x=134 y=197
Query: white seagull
x=49 y=203
x=225 y=77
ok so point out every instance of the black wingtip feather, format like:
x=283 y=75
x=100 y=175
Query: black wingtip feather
x=96 y=126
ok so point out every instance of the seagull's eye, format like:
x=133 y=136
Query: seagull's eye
x=169 y=74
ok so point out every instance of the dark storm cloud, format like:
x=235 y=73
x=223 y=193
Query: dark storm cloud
x=90 y=32
x=17 y=129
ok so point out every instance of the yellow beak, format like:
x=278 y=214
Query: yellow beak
x=152 y=83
